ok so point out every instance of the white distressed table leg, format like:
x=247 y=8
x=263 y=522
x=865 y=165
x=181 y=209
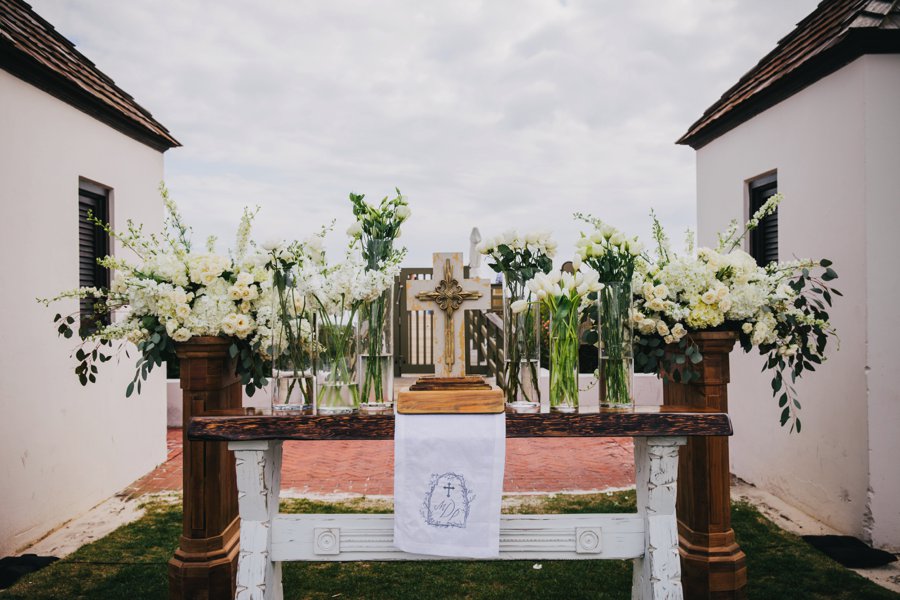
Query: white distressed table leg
x=259 y=483
x=657 y=575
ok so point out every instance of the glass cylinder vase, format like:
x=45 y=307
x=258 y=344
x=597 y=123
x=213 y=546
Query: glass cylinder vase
x=376 y=356
x=521 y=345
x=564 y=358
x=293 y=341
x=337 y=390
x=616 y=373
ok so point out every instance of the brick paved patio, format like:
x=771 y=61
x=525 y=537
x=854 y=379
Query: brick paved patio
x=366 y=467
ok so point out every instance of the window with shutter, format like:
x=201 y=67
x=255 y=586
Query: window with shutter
x=764 y=239
x=93 y=243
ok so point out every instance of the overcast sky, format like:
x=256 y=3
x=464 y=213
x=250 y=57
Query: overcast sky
x=493 y=114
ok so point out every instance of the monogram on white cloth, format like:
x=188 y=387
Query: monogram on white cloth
x=448 y=483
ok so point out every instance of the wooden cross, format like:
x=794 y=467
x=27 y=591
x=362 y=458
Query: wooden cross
x=448 y=294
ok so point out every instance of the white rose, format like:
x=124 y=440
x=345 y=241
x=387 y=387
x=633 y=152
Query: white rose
x=181 y=335
x=647 y=325
x=271 y=244
x=656 y=305
x=747 y=328
x=709 y=297
x=661 y=291
x=171 y=326
x=662 y=328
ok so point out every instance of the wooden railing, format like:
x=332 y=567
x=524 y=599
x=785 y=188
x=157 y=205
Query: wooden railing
x=485 y=330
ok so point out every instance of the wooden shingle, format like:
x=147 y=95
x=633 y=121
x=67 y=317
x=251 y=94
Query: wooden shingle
x=834 y=34
x=32 y=50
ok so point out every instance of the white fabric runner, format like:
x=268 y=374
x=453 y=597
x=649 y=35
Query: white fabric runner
x=448 y=482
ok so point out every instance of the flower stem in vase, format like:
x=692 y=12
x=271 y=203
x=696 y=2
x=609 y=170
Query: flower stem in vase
x=521 y=337
x=292 y=342
x=564 y=356
x=338 y=392
x=616 y=351
x=376 y=357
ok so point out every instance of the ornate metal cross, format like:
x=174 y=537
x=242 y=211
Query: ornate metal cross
x=449 y=296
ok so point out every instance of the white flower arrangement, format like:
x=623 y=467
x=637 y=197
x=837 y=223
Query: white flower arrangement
x=530 y=248
x=779 y=309
x=172 y=293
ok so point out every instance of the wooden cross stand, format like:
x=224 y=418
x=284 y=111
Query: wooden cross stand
x=650 y=536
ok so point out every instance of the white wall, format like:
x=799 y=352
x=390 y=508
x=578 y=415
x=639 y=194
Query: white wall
x=63 y=448
x=882 y=80
x=817 y=141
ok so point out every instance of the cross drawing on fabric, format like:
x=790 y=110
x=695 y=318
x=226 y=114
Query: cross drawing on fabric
x=447 y=501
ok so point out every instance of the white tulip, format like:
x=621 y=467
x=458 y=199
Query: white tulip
x=518 y=306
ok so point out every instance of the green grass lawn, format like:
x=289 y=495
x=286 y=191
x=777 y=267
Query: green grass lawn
x=131 y=563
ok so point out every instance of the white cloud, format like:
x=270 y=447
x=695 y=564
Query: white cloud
x=484 y=113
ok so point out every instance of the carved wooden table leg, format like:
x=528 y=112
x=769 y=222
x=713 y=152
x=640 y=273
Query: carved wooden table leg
x=657 y=575
x=259 y=483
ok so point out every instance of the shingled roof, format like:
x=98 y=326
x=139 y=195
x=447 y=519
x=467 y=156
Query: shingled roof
x=834 y=34
x=32 y=50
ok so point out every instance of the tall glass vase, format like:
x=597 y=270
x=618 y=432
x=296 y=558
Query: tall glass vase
x=337 y=390
x=376 y=356
x=616 y=350
x=564 y=358
x=521 y=346
x=293 y=342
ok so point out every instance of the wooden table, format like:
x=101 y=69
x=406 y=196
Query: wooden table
x=650 y=536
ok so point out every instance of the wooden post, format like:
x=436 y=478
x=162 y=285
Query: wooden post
x=713 y=565
x=205 y=563
x=259 y=483
x=657 y=575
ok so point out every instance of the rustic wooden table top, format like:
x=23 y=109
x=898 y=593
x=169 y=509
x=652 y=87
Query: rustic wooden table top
x=643 y=421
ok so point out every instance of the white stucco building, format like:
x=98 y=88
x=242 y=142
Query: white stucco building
x=70 y=140
x=817 y=120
